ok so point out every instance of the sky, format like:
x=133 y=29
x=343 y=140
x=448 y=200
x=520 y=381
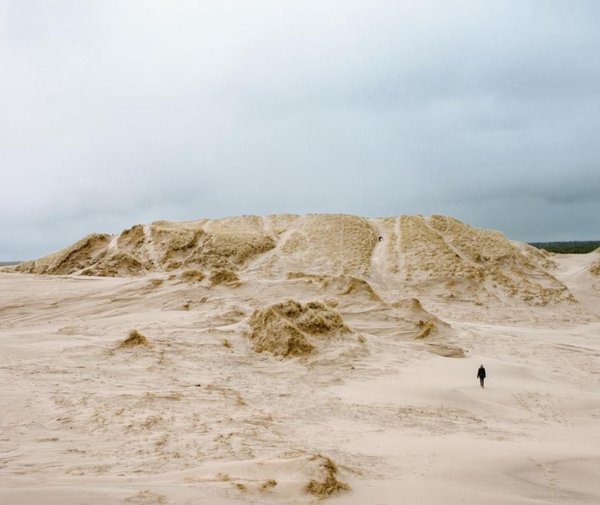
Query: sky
x=114 y=113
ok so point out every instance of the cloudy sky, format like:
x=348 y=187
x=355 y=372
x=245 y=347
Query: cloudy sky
x=121 y=112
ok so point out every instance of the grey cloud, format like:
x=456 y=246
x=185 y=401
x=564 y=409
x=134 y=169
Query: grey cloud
x=115 y=113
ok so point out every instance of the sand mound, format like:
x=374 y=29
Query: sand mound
x=359 y=287
x=224 y=276
x=447 y=351
x=327 y=483
x=119 y=264
x=286 y=479
x=425 y=323
x=74 y=258
x=192 y=275
x=594 y=268
x=426 y=327
x=289 y=328
x=135 y=339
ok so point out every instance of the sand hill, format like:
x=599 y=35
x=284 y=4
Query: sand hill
x=413 y=252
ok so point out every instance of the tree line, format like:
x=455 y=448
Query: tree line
x=574 y=247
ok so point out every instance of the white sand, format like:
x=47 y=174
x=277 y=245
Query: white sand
x=199 y=417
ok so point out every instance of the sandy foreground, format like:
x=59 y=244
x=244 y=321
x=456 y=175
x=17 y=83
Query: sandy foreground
x=198 y=417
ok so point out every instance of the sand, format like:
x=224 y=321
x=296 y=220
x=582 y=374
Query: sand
x=145 y=385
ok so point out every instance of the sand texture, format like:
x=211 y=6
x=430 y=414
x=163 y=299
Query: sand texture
x=300 y=360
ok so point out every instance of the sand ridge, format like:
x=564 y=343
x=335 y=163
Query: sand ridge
x=412 y=252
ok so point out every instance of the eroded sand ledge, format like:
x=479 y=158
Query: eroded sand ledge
x=373 y=413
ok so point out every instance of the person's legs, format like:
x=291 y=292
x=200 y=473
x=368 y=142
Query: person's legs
x=481 y=381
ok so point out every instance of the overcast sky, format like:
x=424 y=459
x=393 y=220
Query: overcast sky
x=121 y=112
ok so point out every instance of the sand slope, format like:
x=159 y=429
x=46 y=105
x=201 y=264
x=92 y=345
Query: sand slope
x=291 y=359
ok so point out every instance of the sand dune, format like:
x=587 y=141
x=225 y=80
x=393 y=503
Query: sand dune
x=414 y=251
x=292 y=359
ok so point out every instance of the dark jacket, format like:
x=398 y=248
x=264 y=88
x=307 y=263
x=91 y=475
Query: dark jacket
x=481 y=373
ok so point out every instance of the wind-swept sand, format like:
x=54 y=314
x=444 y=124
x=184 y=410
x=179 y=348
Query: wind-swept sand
x=292 y=359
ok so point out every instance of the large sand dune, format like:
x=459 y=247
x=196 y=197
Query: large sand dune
x=291 y=359
x=409 y=251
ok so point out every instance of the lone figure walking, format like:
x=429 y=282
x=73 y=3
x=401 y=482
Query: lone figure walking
x=481 y=375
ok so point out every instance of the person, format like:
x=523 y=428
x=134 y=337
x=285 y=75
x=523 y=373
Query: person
x=481 y=375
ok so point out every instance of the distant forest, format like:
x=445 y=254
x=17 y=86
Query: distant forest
x=576 y=247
